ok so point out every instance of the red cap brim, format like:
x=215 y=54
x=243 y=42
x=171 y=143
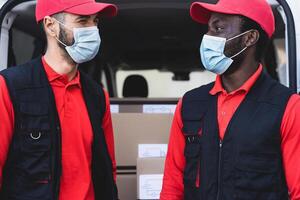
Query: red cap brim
x=201 y=12
x=107 y=10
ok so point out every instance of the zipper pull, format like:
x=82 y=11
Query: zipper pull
x=221 y=143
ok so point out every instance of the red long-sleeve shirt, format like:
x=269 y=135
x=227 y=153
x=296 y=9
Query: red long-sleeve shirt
x=227 y=104
x=76 y=133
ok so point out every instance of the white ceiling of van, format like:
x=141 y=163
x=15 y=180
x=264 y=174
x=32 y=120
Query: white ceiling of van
x=2 y=2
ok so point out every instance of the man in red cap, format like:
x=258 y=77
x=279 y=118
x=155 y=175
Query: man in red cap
x=56 y=130
x=236 y=138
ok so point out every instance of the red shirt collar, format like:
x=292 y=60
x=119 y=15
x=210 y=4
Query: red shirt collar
x=54 y=77
x=218 y=87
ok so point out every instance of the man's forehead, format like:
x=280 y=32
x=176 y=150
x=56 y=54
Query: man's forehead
x=220 y=17
x=75 y=17
x=224 y=17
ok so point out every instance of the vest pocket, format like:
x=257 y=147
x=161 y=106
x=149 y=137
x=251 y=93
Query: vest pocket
x=35 y=142
x=256 y=177
x=26 y=189
x=192 y=169
x=34 y=161
x=34 y=116
x=34 y=127
x=193 y=126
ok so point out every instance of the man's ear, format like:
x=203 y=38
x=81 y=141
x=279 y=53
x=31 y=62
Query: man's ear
x=251 y=38
x=50 y=26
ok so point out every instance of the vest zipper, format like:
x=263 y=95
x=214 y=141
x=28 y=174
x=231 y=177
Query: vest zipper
x=219 y=169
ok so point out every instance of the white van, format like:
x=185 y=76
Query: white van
x=148 y=59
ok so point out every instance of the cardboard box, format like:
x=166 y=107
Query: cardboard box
x=149 y=177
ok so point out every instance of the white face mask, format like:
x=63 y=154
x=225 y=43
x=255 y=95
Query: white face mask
x=86 y=45
x=212 y=53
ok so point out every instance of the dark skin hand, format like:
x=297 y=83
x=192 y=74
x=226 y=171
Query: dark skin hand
x=245 y=64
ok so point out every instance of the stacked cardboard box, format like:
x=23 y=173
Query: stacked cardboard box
x=150 y=168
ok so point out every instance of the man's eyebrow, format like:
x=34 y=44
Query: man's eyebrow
x=83 y=17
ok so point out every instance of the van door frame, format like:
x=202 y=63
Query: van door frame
x=292 y=45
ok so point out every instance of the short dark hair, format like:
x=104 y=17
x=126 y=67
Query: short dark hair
x=263 y=41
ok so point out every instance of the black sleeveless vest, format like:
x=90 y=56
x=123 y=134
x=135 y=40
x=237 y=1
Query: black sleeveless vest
x=33 y=167
x=247 y=164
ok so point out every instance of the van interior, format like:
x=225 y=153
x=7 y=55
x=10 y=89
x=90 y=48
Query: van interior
x=149 y=58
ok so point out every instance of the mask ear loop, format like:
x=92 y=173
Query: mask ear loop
x=60 y=41
x=239 y=53
x=239 y=35
x=235 y=38
x=62 y=24
x=65 y=27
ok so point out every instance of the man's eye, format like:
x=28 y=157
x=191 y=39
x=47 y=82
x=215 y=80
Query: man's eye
x=219 y=29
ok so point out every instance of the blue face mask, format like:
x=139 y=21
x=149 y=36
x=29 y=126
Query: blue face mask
x=86 y=43
x=212 y=53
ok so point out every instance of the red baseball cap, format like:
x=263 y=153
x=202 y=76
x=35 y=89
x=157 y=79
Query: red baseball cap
x=257 y=10
x=79 y=7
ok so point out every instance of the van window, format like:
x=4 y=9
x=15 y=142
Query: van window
x=161 y=84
